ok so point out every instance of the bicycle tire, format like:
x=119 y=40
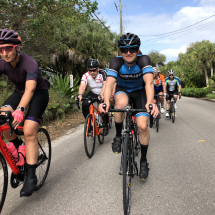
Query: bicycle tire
x=101 y=134
x=151 y=121
x=126 y=177
x=89 y=140
x=44 y=156
x=157 y=124
x=110 y=120
x=173 y=113
x=170 y=111
x=3 y=180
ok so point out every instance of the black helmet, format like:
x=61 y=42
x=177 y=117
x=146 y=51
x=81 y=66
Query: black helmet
x=93 y=63
x=9 y=36
x=129 y=40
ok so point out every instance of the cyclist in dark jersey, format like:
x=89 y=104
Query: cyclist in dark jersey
x=31 y=90
x=134 y=76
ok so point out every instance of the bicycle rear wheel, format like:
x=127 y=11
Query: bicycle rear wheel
x=3 y=180
x=89 y=137
x=173 y=113
x=126 y=176
x=44 y=157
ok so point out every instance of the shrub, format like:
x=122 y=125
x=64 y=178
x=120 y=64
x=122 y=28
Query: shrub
x=194 y=92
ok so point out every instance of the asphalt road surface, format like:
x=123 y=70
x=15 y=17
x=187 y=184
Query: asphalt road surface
x=181 y=179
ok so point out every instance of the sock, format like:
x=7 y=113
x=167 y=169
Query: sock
x=118 y=128
x=167 y=111
x=16 y=142
x=162 y=105
x=31 y=170
x=144 y=149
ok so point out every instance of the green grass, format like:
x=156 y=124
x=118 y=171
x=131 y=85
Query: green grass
x=210 y=96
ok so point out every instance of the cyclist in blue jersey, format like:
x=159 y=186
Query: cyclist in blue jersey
x=134 y=76
x=173 y=87
x=31 y=93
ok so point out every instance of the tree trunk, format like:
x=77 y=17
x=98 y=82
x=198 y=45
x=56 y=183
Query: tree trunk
x=68 y=65
x=212 y=69
x=206 y=74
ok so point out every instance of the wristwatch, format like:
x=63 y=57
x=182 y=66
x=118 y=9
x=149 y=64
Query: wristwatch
x=21 y=108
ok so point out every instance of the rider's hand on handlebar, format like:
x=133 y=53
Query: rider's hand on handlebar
x=154 y=111
x=100 y=97
x=18 y=118
x=101 y=109
x=79 y=97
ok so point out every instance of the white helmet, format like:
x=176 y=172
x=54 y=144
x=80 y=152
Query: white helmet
x=155 y=70
x=171 y=72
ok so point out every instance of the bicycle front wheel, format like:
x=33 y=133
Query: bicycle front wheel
x=89 y=137
x=3 y=180
x=173 y=113
x=126 y=176
x=110 y=120
x=44 y=156
x=157 y=124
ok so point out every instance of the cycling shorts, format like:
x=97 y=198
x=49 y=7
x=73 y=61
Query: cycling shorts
x=138 y=97
x=171 y=93
x=37 y=105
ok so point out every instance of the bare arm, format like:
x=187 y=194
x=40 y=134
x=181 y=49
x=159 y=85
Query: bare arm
x=81 y=90
x=114 y=89
x=103 y=89
x=164 y=87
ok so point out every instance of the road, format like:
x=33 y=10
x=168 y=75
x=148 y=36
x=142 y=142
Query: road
x=181 y=179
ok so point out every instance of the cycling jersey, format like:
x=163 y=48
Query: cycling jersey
x=26 y=69
x=158 y=82
x=95 y=84
x=130 y=78
x=172 y=85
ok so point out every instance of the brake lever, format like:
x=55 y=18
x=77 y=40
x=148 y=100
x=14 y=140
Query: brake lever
x=10 y=126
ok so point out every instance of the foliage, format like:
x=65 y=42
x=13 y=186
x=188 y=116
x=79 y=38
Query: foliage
x=62 y=85
x=194 y=92
x=58 y=106
x=210 y=96
x=157 y=58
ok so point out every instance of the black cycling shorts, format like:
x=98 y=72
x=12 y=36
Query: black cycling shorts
x=171 y=93
x=36 y=107
x=138 y=97
x=157 y=92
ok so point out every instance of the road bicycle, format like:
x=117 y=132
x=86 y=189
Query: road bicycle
x=131 y=148
x=158 y=104
x=94 y=126
x=19 y=172
x=172 y=106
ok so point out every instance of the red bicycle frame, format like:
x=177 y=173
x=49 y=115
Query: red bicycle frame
x=4 y=150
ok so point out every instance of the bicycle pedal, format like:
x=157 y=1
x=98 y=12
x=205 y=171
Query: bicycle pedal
x=120 y=173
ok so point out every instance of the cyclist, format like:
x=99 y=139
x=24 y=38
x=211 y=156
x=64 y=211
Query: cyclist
x=134 y=75
x=159 y=86
x=173 y=87
x=96 y=79
x=31 y=90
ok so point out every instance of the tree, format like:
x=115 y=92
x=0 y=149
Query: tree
x=157 y=58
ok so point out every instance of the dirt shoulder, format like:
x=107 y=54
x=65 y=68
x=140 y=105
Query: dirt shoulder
x=58 y=128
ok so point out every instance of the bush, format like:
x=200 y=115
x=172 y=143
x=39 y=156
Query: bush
x=58 y=106
x=210 y=88
x=194 y=92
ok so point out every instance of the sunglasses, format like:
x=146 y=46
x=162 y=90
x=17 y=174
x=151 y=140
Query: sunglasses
x=8 y=48
x=171 y=75
x=126 y=50
x=93 y=70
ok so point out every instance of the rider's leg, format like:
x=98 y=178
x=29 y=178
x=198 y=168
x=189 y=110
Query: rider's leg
x=162 y=102
x=32 y=149
x=121 y=100
x=144 y=135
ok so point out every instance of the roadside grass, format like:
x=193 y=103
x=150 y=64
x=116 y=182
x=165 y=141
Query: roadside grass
x=210 y=96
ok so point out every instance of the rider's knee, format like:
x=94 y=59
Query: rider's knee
x=143 y=128
x=121 y=104
x=29 y=134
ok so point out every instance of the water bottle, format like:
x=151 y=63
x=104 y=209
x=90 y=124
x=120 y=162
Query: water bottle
x=17 y=155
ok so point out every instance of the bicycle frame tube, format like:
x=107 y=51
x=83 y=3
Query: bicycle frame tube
x=7 y=155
